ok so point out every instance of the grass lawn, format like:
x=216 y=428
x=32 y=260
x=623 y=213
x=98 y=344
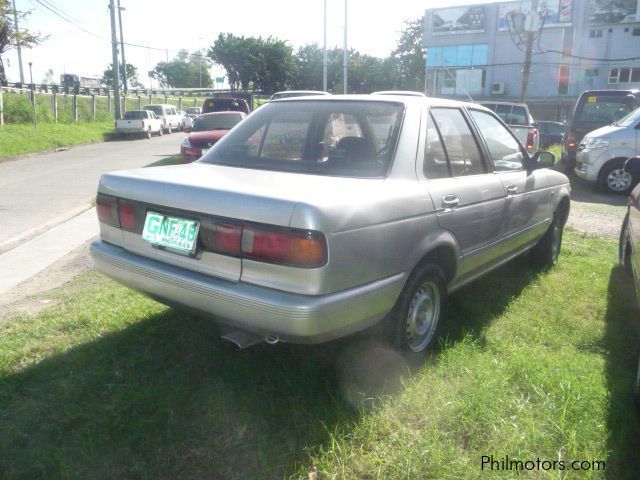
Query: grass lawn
x=21 y=139
x=109 y=384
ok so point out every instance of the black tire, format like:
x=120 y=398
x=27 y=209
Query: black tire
x=169 y=128
x=545 y=253
x=624 y=246
x=416 y=319
x=160 y=132
x=613 y=178
x=148 y=134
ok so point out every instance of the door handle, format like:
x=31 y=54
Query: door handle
x=450 y=201
x=512 y=189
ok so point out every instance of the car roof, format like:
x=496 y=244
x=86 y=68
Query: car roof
x=226 y=112
x=491 y=102
x=405 y=99
x=633 y=91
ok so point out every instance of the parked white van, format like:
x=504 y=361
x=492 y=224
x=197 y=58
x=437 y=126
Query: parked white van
x=601 y=154
x=169 y=115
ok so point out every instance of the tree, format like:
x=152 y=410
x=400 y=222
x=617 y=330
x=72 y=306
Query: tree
x=184 y=71
x=132 y=76
x=48 y=77
x=409 y=57
x=9 y=38
x=254 y=63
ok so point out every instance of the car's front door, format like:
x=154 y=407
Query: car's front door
x=467 y=196
x=529 y=204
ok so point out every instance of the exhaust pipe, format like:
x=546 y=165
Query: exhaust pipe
x=242 y=339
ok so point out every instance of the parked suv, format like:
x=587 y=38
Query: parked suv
x=603 y=152
x=595 y=109
x=171 y=118
x=318 y=217
x=520 y=121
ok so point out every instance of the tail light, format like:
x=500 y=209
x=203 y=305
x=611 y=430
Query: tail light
x=222 y=238
x=107 y=208
x=531 y=139
x=126 y=215
x=571 y=139
x=297 y=248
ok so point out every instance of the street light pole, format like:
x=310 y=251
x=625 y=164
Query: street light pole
x=30 y=73
x=324 y=53
x=124 y=62
x=116 y=65
x=18 y=47
x=33 y=95
x=344 y=51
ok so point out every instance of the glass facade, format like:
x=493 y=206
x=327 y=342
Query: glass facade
x=457 y=56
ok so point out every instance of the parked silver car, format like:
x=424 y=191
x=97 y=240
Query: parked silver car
x=602 y=153
x=315 y=218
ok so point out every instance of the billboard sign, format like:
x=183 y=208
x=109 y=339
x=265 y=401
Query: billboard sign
x=558 y=12
x=606 y=12
x=446 y=21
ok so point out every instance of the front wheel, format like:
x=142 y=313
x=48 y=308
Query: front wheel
x=148 y=134
x=614 y=179
x=416 y=318
x=160 y=132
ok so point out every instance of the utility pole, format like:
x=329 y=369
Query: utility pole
x=526 y=68
x=116 y=65
x=124 y=62
x=344 y=50
x=324 y=59
x=18 y=47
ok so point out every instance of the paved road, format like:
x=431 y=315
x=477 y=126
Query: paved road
x=47 y=189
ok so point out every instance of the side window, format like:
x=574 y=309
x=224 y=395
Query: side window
x=504 y=149
x=463 y=152
x=435 y=159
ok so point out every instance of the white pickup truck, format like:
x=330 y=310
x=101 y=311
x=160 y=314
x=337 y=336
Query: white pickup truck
x=520 y=121
x=139 y=122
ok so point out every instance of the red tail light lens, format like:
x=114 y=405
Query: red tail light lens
x=571 y=139
x=222 y=238
x=531 y=139
x=297 y=248
x=127 y=215
x=107 y=208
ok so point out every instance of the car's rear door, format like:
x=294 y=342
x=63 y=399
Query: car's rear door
x=529 y=205
x=467 y=196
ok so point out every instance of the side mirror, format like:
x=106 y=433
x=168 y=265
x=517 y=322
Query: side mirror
x=632 y=166
x=542 y=159
x=187 y=130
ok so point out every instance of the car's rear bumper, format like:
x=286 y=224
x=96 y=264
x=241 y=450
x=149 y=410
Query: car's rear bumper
x=291 y=317
x=131 y=130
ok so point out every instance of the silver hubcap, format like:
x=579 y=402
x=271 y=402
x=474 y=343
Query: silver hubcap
x=619 y=180
x=423 y=315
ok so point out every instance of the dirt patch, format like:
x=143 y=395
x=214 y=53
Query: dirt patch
x=595 y=212
x=34 y=295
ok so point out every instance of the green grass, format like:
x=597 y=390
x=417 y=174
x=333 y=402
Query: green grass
x=109 y=384
x=21 y=139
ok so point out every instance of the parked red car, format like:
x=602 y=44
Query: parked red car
x=206 y=131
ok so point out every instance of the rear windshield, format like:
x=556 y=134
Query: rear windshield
x=603 y=109
x=512 y=114
x=222 y=105
x=135 y=115
x=157 y=109
x=352 y=139
x=216 y=122
x=195 y=110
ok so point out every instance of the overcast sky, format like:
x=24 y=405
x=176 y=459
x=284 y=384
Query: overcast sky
x=374 y=28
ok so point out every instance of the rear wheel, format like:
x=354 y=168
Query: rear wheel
x=168 y=128
x=614 y=179
x=416 y=318
x=547 y=250
x=148 y=134
x=624 y=246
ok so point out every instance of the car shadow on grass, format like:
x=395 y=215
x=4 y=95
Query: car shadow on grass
x=165 y=398
x=621 y=346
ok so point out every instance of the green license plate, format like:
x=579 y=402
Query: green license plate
x=171 y=232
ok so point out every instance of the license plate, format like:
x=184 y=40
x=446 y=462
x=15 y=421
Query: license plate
x=172 y=232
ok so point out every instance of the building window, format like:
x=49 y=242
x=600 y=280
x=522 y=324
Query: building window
x=591 y=72
x=624 y=75
x=563 y=80
x=457 y=56
x=595 y=33
x=461 y=82
x=636 y=32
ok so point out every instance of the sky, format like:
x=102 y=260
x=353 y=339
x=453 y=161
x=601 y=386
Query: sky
x=85 y=48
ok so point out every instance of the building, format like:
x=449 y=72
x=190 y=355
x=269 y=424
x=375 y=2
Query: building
x=477 y=51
